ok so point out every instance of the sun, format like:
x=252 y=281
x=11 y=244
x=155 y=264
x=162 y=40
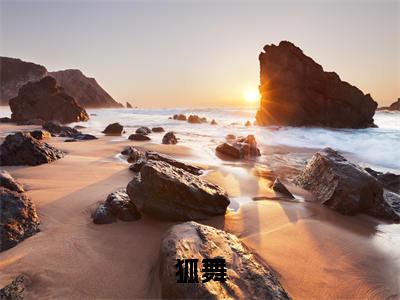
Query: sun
x=251 y=95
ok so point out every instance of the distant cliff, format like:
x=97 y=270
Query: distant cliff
x=395 y=106
x=85 y=90
x=14 y=73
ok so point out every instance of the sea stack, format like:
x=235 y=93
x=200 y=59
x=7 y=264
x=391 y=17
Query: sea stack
x=296 y=91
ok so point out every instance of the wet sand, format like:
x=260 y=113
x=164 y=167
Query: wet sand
x=317 y=253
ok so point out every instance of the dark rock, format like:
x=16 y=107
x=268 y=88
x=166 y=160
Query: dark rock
x=58 y=130
x=179 y=117
x=395 y=106
x=169 y=138
x=84 y=137
x=47 y=101
x=22 y=149
x=296 y=91
x=137 y=165
x=279 y=187
x=134 y=154
x=170 y=193
x=103 y=215
x=114 y=128
x=79 y=127
x=18 y=218
x=248 y=278
x=8 y=182
x=139 y=137
x=157 y=129
x=86 y=91
x=247 y=124
x=344 y=186
x=39 y=122
x=128 y=105
x=151 y=155
x=389 y=181
x=5 y=120
x=143 y=130
x=14 y=290
x=40 y=134
x=242 y=147
x=230 y=137
x=213 y=122
x=196 y=119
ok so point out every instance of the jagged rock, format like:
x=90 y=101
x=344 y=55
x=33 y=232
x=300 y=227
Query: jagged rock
x=247 y=124
x=345 y=187
x=47 y=101
x=102 y=215
x=296 y=91
x=157 y=129
x=389 y=181
x=134 y=154
x=14 y=73
x=395 y=106
x=242 y=147
x=213 y=122
x=247 y=278
x=86 y=91
x=58 y=130
x=139 y=137
x=128 y=105
x=5 y=120
x=14 y=290
x=114 y=128
x=279 y=187
x=40 y=134
x=18 y=218
x=169 y=138
x=137 y=165
x=179 y=117
x=143 y=130
x=8 y=182
x=170 y=193
x=22 y=149
x=196 y=119
x=39 y=122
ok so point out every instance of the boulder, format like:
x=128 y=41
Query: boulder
x=18 y=218
x=179 y=117
x=47 y=101
x=102 y=215
x=22 y=149
x=196 y=119
x=395 y=106
x=58 y=130
x=40 y=134
x=5 y=120
x=247 y=124
x=169 y=138
x=242 y=147
x=247 y=277
x=143 y=130
x=39 y=122
x=157 y=129
x=279 y=187
x=14 y=290
x=139 y=137
x=134 y=154
x=230 y=137
x=389 y=180
x=213 y=122
x=345 y=187
x=296 y=91
x=114 y=128
x=170 y=193
x=8 y=182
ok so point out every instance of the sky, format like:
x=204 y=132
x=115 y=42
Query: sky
x=203 y=53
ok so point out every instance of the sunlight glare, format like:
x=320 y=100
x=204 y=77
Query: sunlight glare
x=251 y=95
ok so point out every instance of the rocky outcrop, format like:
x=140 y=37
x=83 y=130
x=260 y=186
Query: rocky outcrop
x=279 y=187
x=195 y=119
x=395 y=106
x=5 y=120
x=40 y=134
x=345 y=187
x=8 y=182
x=117 y=206
x=170 y=193
x=86 y=91
x=242 y=147
x=18 y=218
x=113 y=129
x=47 y=101
x=389 y=180
x=179 y=117
x=14 y=73
x=22 y=149
x=247 y=278
x=139 y=137
x=73 y=134
x=296 y=91
x=169 y=138
x=14 y=290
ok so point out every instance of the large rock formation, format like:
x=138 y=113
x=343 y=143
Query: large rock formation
x=296 y=91
x=247 y=278
x=170 y=193
x=47 y=101
x=86 y=91
x=346 y=187
x=395 y=106
x=14 y=73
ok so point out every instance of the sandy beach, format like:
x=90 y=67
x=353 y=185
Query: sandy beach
x=316 y=252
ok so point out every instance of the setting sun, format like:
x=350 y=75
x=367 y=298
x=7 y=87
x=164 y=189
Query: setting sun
x=251 y=95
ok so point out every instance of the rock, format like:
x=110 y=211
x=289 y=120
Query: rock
x=58 y=130
x=247 y=278
x=157 y=129
x=134 y=154
x=230 y=137
x=102 y=215
x=242 y=147
x=5 y=120
x=296 y=91
x=196 y=119
x=170 y=193
x=14 y=73
x=79 y=127
x=137 y=165
x=247 y=124
x=179 y=117
x=39 y=122
x=151 y=155
x=86 y=91
x=279 y=187
x=18 y=218
x=81 y=137
x=213 y=122
x=22 y=149
x=395 y=106
x=47 y=101
x=389 y=181
x=8 y=182
x=143 y=130
x=40 y=134
x=139 y=137
x=114 y=128
x=14 y=290
x=344 y=186
x=128 y=105
x=169 y=138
